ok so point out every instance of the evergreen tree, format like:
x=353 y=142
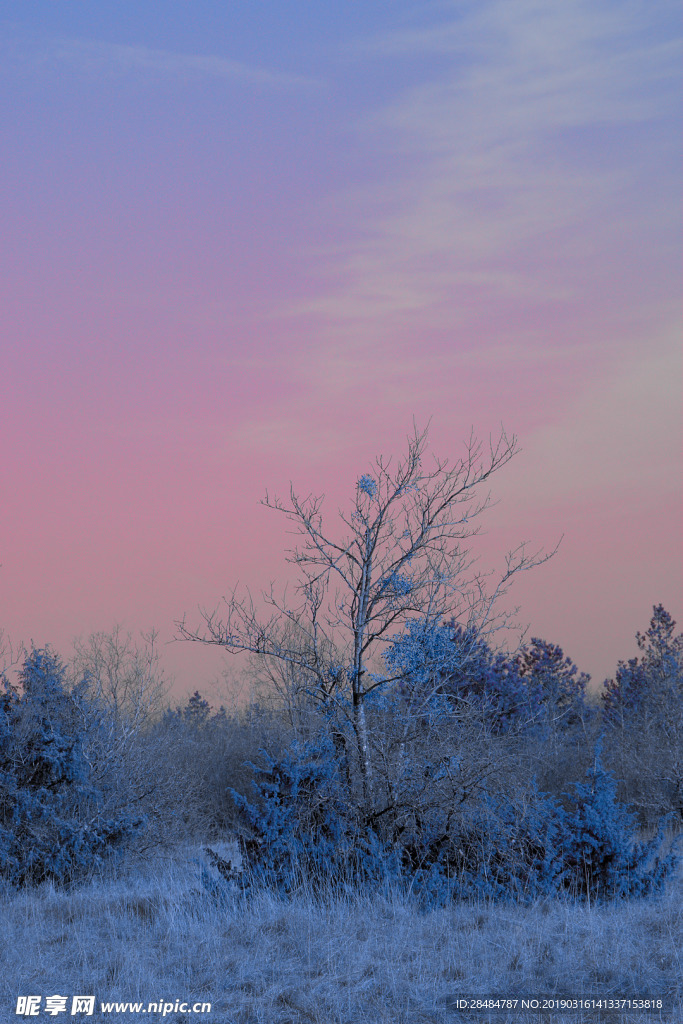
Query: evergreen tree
x=644 y=683
x=553 y=678
x=50 y=823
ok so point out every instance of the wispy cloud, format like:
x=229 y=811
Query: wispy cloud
x=520 y=133
x=108 y=59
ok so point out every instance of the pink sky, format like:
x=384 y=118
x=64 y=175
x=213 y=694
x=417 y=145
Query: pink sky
x=238 y=252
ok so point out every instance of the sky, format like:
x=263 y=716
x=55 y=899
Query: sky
x=246 y=244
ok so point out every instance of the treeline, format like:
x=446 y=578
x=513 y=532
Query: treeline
x=392 y=742
x=485 y=774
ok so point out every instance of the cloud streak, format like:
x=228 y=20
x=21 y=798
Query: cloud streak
x=516 y=150
x=113 y=59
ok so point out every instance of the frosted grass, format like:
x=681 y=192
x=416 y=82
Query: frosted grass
x=153 y=932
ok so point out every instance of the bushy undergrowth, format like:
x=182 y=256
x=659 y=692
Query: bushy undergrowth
x=536 y=847
x=301 y=826
x=207 y=752
x=51 y=825
x=451 y=811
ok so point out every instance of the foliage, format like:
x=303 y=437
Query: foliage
x=455 y=662
x=600 y=850
x=657 y=674
x=506 y=848
x=50 y=821
x=553 y=678
x=539 y=685
x=301 y=827
x=537 y=847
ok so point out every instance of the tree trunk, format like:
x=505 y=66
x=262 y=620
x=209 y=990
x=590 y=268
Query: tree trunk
x=365 y=760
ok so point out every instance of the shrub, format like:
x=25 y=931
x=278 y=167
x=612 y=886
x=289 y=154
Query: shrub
x=537 y=847
x=301 y=826
x=538 y=689
x=450 y=661
x=50 y=821
x=206 y=754
x=642 y=712
x=509 y=848
x=600 y=852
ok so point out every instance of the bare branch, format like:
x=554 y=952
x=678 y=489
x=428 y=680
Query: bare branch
x=405 y=554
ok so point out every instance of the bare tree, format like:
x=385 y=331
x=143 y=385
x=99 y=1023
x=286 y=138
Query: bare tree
x=9 y=656
x=127 y=690
x=283 y=686
x=123 y=675
x=405 y=554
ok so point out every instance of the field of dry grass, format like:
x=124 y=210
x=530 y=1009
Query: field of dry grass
x=153 y=933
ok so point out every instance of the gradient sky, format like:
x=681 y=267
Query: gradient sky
x=247 y=243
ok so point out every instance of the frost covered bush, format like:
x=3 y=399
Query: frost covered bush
x=301 y=828
x=642 y=714
x=503 y=849
x=601 y=856
x=50 y=821
x=531 y=847
x=537 y=689
x=439 y=822
x=448 y=661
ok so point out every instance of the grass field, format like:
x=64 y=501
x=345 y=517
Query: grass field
x=152 y=933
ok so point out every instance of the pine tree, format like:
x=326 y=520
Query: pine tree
x=50 y=823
